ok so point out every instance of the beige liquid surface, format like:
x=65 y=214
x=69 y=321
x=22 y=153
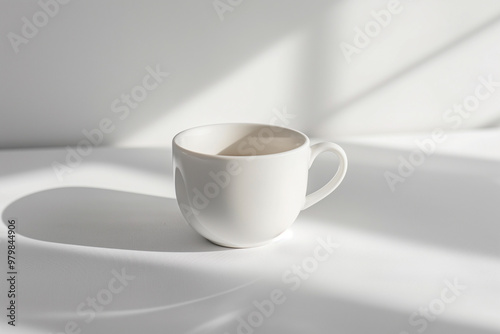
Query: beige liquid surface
x=259 y=143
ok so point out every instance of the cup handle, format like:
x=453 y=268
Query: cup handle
x=327 y=189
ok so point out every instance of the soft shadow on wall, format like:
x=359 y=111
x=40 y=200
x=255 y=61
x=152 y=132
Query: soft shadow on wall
x=262 y=55
x=103 y=49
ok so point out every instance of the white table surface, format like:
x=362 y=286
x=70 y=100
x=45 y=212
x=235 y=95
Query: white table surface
x=118 y=211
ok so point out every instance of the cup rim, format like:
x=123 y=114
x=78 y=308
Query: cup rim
x=239 y=157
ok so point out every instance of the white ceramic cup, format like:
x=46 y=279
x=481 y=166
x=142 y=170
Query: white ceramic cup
x=242 y=185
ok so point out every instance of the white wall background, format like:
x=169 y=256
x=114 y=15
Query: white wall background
x=264 y=55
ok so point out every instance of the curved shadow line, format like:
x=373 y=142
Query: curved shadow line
x=115 y=314
x=171 y=306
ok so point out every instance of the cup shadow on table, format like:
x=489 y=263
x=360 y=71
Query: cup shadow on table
x=105 y=218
